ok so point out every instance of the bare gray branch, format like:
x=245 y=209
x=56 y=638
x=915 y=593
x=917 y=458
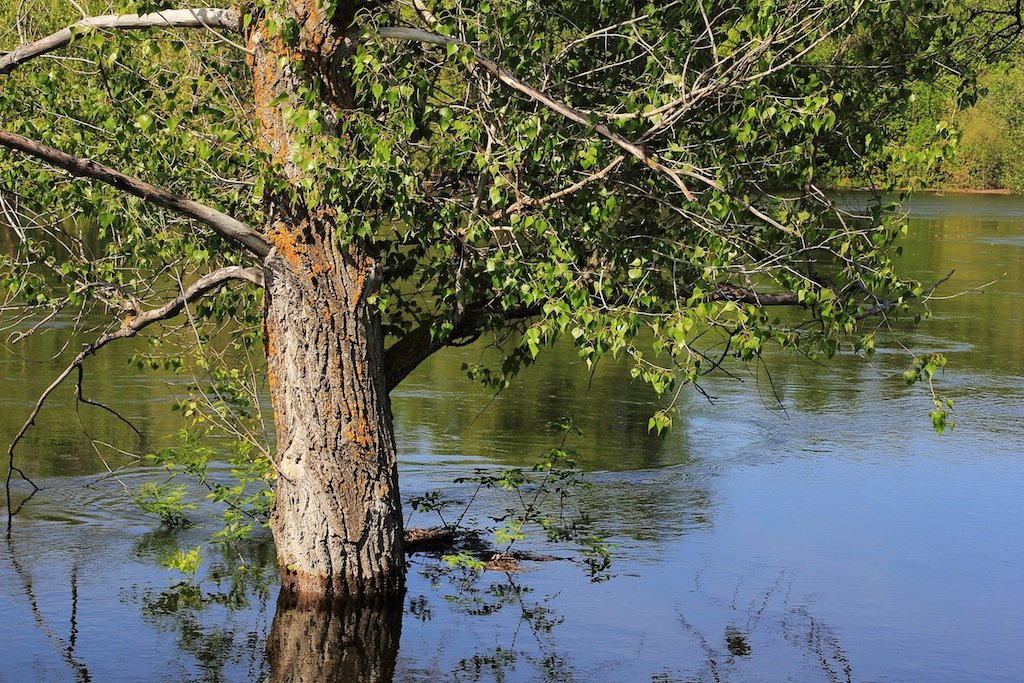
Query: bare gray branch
x=205 y=18
x=221 y=223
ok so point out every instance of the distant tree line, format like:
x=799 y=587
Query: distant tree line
x=962 y=130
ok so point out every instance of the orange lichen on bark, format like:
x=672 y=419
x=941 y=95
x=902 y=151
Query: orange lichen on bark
x=316 y=28
x=358 y=284
x=362 y=270
x=269 y=343
x=284 y=241
x=357 y=432
x=271 y=131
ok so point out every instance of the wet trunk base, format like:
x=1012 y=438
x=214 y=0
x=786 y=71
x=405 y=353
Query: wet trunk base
x=310 y=590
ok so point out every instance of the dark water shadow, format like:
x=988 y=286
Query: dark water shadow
x=337 y=641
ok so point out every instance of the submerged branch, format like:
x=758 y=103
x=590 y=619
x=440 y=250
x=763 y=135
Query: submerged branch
x=203 y=18
x=221 y=223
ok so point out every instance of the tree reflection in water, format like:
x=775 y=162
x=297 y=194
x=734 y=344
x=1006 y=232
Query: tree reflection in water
x=338 y=641
x=64 y=646
x=220 y=621
x=535 y=619
x=489 y=626
x=357 y=641
x=333 y=641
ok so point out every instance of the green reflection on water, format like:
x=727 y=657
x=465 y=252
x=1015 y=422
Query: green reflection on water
x=441 y=416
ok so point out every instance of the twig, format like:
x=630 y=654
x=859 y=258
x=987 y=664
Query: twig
x=565 y=191
x=82 y=399
x=131 y=327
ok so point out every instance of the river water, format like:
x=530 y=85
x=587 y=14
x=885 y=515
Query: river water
x=807 y=526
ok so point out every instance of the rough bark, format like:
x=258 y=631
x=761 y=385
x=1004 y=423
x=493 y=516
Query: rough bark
x=337 y=520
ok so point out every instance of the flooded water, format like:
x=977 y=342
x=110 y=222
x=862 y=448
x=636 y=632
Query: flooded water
x=807 y=528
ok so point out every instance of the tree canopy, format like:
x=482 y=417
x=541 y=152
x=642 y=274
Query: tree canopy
x=642 y=180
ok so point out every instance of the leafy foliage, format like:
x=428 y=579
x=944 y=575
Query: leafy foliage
x=167 y=502
x=959 y=129
x=186 y=562
x=992 y=147
x=453 y=169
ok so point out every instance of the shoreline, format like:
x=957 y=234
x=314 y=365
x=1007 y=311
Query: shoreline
x=933 y=190
x=940 y=190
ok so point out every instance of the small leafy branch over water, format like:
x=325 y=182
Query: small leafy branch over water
x=544 y=497
x=222 y=450
x=924 y=369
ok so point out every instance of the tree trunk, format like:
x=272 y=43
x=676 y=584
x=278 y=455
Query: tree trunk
x=337 y=520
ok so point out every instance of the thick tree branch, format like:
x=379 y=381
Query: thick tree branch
x=206 y=18
x=221 y=223
x=406 y=354
x=132 y=326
